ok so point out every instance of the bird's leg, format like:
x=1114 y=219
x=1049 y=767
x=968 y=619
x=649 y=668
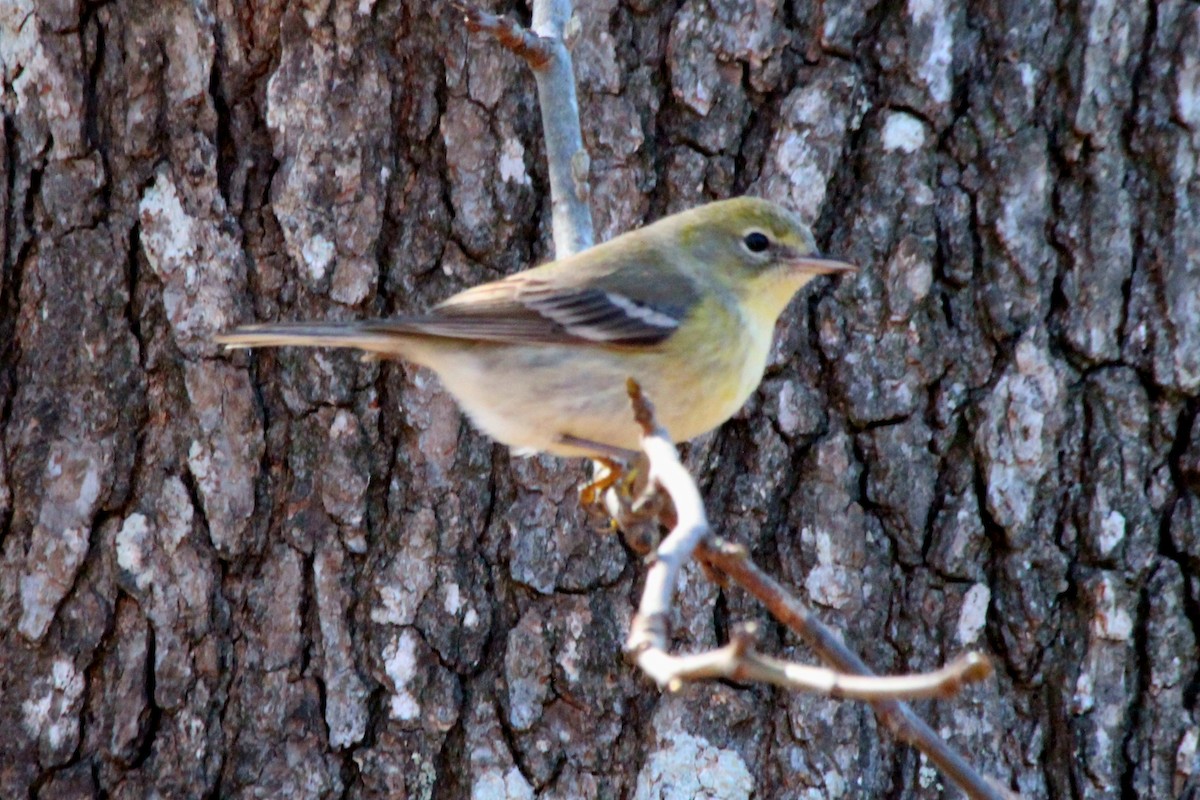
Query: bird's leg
x=609 y=469
x=597 y=450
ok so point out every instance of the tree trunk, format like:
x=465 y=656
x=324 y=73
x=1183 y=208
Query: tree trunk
x=295 y=574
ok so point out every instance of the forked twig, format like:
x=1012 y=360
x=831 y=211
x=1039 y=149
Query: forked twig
x=738 y=660
x=897 y=716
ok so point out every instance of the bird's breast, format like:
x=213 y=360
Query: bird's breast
x=714 y=368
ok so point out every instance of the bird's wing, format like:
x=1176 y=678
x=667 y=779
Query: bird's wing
x=640 y=306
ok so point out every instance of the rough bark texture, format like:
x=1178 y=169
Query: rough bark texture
x=299 y=575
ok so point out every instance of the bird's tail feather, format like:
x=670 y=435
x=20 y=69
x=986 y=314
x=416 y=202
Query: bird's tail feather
x=373 y=336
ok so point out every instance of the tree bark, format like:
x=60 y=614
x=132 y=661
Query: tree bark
x=295 y=574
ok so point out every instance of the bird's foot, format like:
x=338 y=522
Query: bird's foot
x=606 y=474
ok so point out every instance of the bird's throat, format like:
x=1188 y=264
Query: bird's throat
x=769 y=294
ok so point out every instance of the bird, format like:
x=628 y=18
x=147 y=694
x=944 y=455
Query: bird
x=685 y=306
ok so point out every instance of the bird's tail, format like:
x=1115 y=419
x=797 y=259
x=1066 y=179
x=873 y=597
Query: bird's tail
x=386 y=338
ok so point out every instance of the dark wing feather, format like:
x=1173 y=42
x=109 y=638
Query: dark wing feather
x=539 y=307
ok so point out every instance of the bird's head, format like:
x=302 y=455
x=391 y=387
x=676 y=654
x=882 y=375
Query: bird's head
x=757 y=249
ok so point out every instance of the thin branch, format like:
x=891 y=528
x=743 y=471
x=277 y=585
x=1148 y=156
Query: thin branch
x=738 y=660
x=545 y=51
x=524 y=43
x=648 y=634
x=898 y=717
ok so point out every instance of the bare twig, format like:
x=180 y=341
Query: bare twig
x=648 y=635
x=897 y=716
x=739 y=661
x=545 y=51
x=524 y=43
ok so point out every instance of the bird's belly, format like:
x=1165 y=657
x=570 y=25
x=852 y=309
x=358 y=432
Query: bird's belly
x=526 y=398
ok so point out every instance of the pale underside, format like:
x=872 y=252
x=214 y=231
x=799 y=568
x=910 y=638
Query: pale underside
x=590 y=390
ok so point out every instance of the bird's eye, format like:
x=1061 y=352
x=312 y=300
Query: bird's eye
x=756 y=241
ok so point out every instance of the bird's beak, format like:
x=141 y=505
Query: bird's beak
x=818 y=264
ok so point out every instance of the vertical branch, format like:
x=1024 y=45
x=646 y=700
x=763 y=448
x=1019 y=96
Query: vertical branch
x=569 y=164
x=544 y=49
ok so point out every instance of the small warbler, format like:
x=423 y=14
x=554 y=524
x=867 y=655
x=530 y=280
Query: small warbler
x=539 y=360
